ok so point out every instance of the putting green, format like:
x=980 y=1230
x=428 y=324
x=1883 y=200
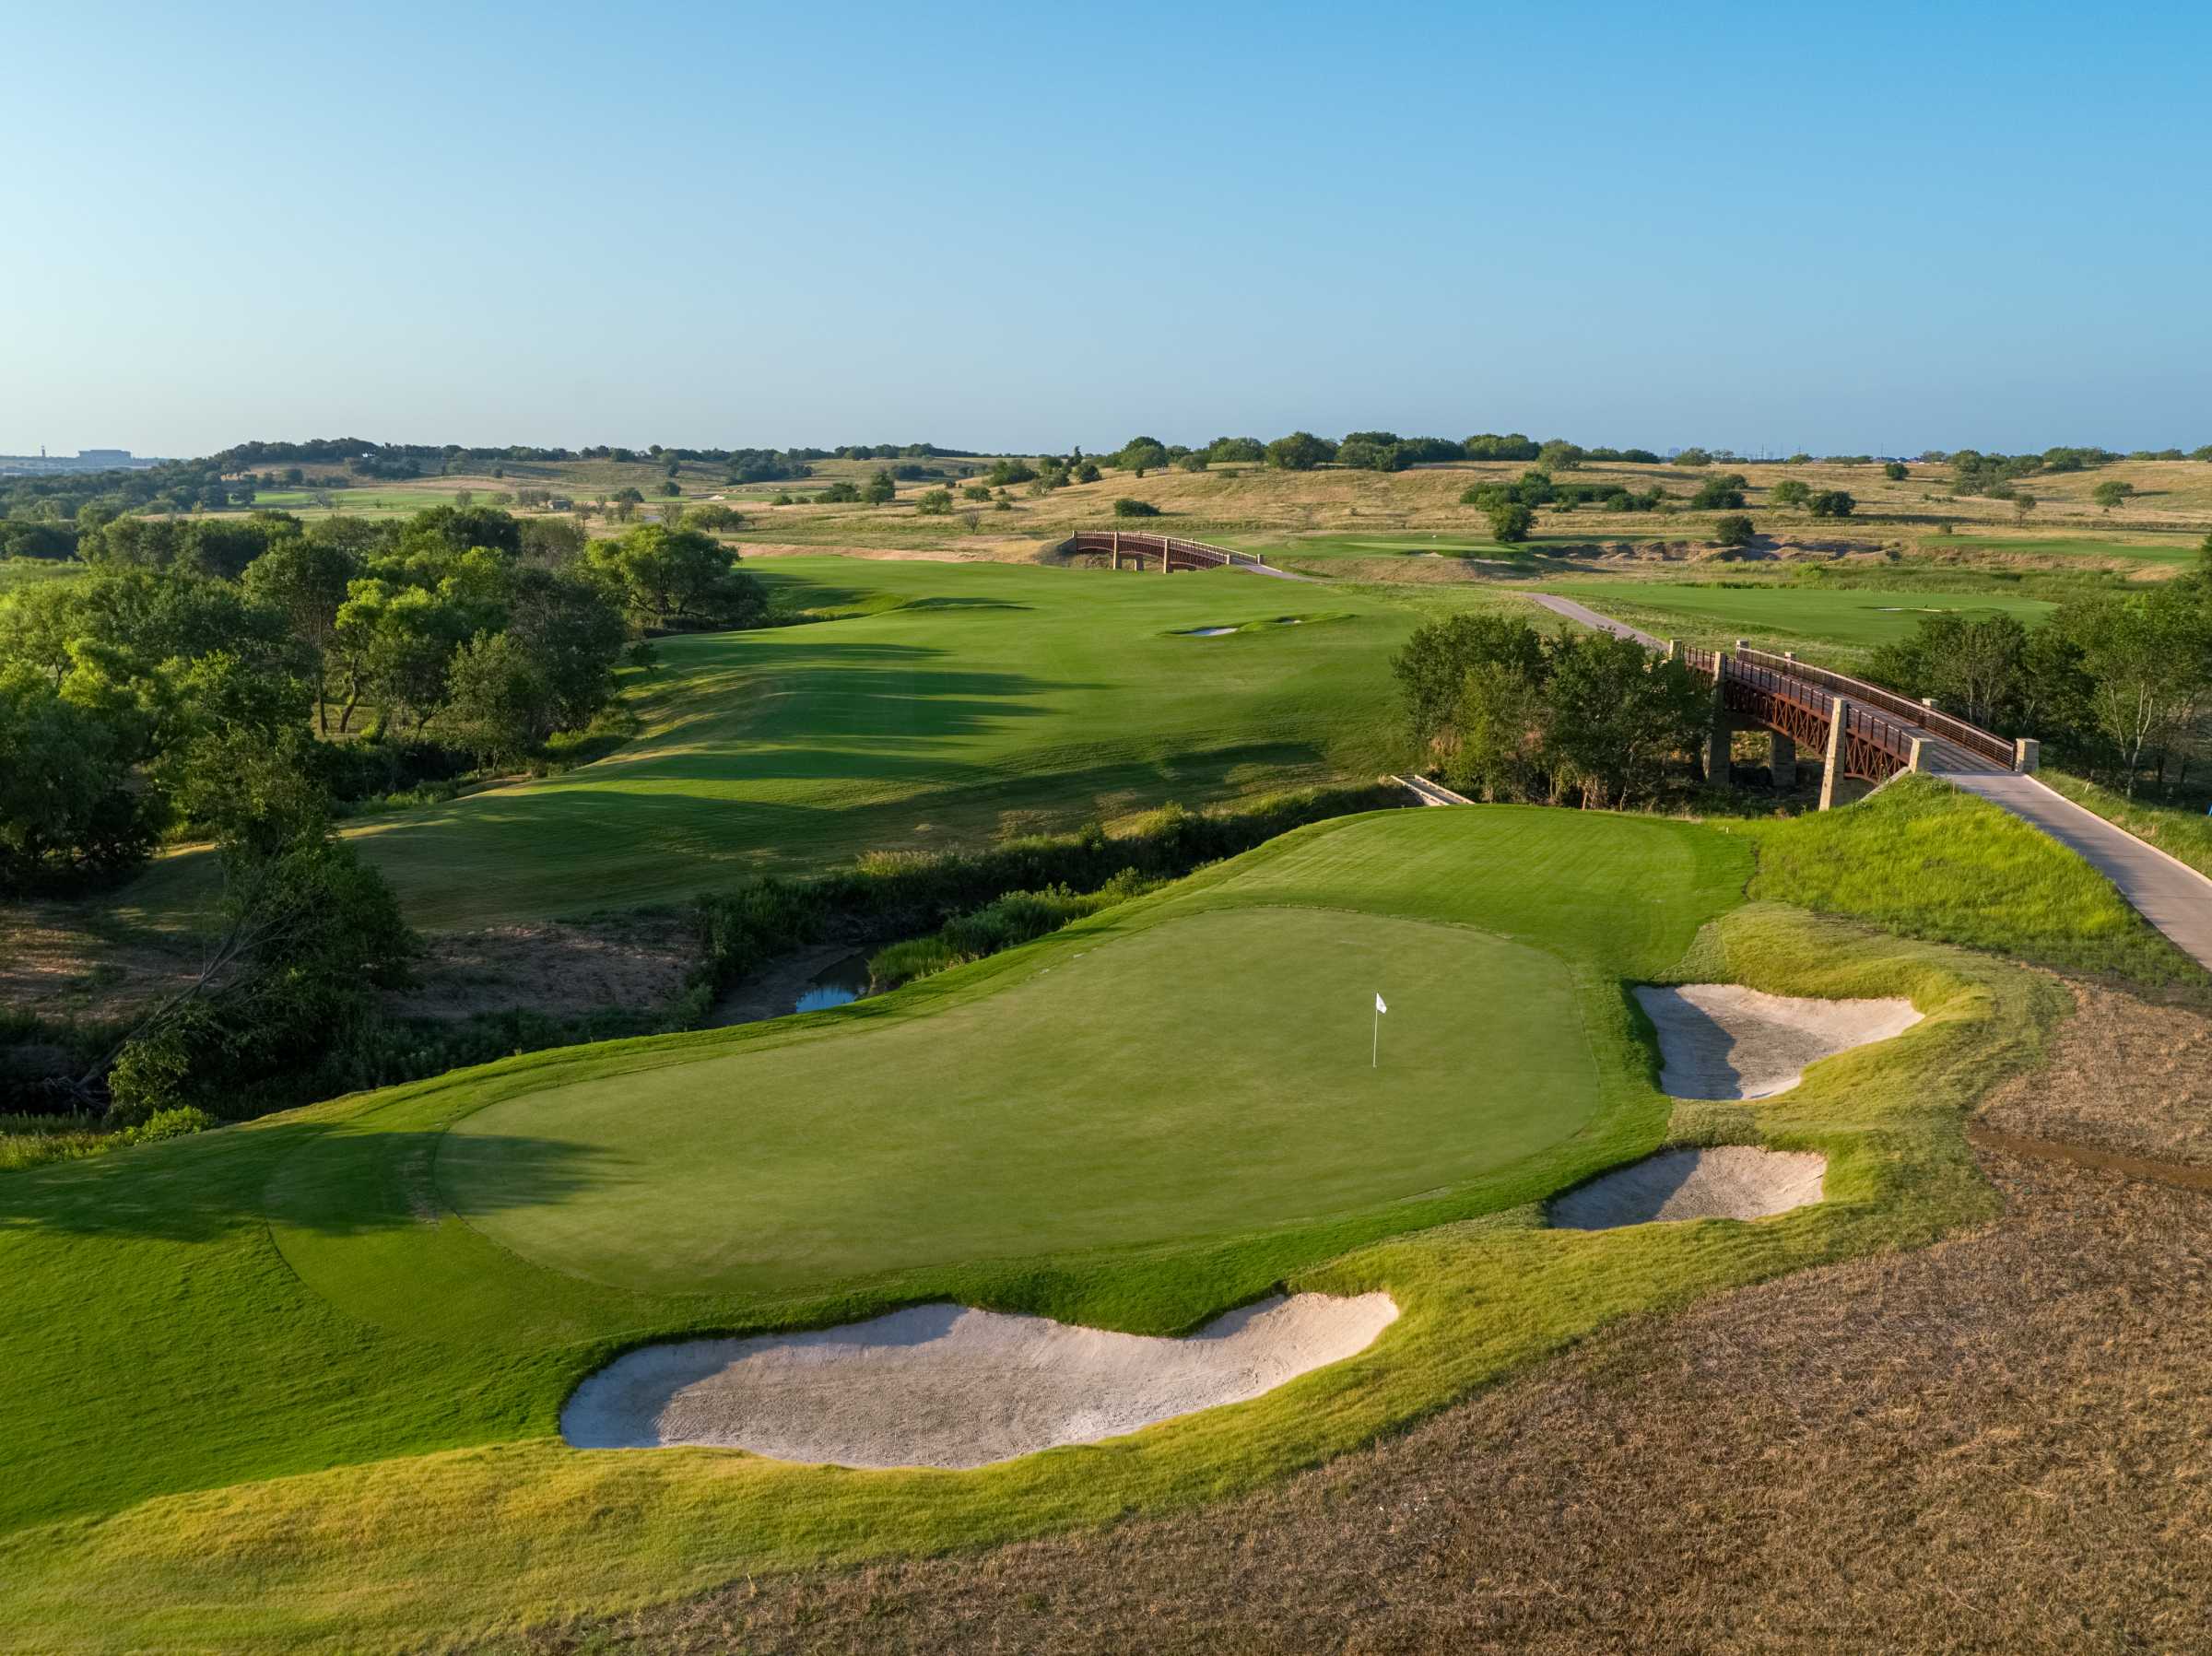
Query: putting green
x=1210 y=1075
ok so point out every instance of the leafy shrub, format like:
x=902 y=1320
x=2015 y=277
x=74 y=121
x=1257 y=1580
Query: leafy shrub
x=1830 y=503
x=1734 y=531
x=1135 y=509
x=1510 y=522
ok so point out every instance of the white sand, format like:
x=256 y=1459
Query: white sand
x=1732 y=1181
x=1717 y=1040
x=942 y=1385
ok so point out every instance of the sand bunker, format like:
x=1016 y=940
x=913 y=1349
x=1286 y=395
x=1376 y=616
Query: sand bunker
x=1734 y=1182
x=942 y=1385
x=1717 y=1040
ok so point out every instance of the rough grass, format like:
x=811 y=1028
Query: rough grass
x=325 y=1409
x=1921 y=858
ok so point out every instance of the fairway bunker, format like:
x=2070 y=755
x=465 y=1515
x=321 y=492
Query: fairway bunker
x=947 y=1386
x=1733 y=1181
x=1720 y=1040
x=1208 y=632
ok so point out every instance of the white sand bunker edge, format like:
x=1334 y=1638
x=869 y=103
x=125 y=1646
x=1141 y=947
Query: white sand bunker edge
x=943 y=1385
x=1719 y=1040
x=1731 y=1182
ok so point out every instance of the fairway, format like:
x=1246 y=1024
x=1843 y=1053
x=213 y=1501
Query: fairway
x=962 y=703
x=1210 y=1075
x=1777 y=614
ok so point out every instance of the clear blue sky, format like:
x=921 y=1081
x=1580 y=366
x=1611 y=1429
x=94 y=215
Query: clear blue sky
x=1864 y=228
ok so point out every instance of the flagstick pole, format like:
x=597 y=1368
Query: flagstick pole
x=1375 y=1058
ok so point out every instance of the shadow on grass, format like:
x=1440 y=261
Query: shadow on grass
x=332 y=1179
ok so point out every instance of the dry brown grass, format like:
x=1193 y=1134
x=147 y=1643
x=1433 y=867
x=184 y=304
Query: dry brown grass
x=559 y=968
x=64 y=960
x=2003 y=1443
x=2128 y=1077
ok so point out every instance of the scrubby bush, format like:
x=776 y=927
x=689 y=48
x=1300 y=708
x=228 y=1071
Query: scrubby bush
x=1830 y=503
x=1016 y=918
x=1135 y=509
x=1734 y=531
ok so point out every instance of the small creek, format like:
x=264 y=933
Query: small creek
x=835 y=984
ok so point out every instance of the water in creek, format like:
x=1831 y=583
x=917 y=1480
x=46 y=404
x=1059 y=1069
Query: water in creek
x=839 y=981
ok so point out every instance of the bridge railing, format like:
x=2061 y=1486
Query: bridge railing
x=1973 y=737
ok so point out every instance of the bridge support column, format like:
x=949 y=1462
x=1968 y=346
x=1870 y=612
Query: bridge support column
x=1918 y=763
x=1717 y=738
x=1832 y=771
x=1782 y=761
x=2027 y=755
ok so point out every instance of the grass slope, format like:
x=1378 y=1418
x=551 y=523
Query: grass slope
x=267 y=1392
x=958 y=702
x=1921 y=857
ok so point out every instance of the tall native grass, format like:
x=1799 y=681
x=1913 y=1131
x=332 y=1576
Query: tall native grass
x=1925 y=859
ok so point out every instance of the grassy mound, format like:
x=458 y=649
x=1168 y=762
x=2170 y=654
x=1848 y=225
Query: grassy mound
x=1923 y=858
x=326 y=1411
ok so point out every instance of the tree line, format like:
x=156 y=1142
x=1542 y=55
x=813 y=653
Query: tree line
x=2117 y=685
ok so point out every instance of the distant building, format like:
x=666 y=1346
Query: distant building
x=84 y=460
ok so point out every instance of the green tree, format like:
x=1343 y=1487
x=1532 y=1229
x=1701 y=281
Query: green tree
x=1510 y=522
x=2111 y=493
x=669 y=577
x=933 y=502
x=500 y=705
x=1432 y=667
x=2149 y=661
x=1618 y=715
x=1734 y=531
x=1790 y=491
x=1830 y=503
x=1895 y=471
x=1141 y=454
x=1299 y=451
x=302 y=930
x=69 y=809
x=306 y=579
x=1502 y=726
x=1723 y=491
x=881 y=489
x=1194 y=460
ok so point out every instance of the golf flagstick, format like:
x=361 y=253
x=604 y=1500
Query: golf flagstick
x=1375 y=1058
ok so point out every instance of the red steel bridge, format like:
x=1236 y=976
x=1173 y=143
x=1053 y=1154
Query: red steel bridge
x=1861 y=730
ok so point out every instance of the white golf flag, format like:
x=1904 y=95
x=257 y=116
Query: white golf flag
x=1379 y=1006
